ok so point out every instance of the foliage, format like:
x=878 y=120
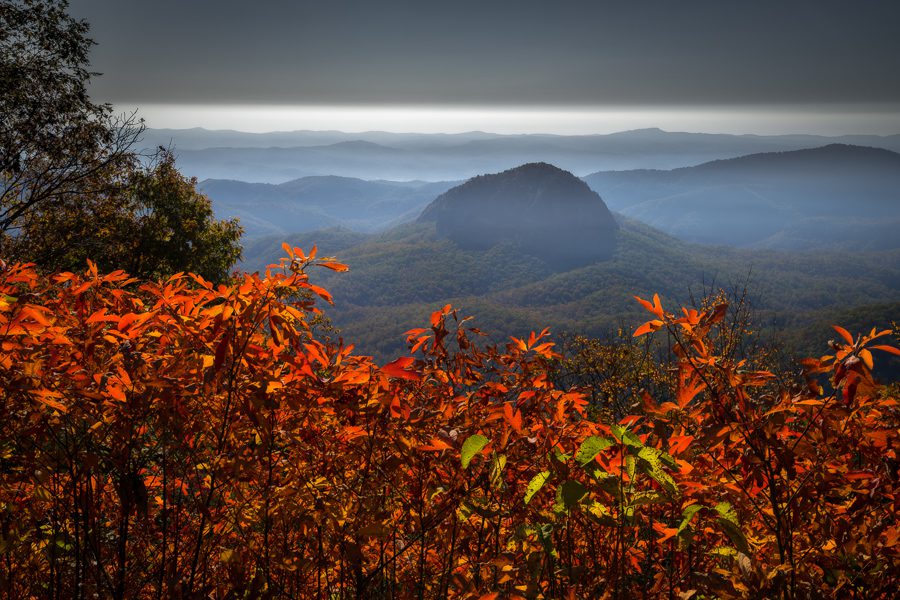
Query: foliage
x=400 y=276
x=174 y=227
x=54 y=141
x=612 y=372
x=150 y=221
x=71 y=187
x=184 y=439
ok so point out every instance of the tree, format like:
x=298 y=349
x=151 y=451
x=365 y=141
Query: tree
x=174 y=227
x=72 y=187
x=55 y=141
x=150 y=221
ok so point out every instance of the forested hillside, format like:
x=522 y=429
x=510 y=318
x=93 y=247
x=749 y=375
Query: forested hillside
x=397 y=278
x=830 y=197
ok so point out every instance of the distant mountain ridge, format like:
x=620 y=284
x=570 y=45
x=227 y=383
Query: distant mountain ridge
x=834 y=196
x=281 y=156
x=541 y=208
x=318 y=202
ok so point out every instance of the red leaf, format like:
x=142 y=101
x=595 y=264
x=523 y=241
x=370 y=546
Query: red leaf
x=399 y=369
x=221 y=351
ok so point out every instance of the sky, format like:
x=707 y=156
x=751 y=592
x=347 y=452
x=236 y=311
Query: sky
x=563 y=66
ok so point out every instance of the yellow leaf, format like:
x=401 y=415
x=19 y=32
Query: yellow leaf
x=867 y=358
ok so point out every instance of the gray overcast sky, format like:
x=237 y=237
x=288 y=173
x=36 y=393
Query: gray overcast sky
x=662 y=52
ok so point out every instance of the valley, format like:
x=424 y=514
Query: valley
x=808 y=232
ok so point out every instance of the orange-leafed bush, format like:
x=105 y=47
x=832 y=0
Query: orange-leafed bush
x=178 y=439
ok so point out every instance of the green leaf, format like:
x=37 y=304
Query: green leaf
x=545 y=535
x=729 y=523
x=601 y=513
x=653 y=466
x=727 y=512
x=723 y=551
x=497 y=465
x=649 y=497
x=594 y=470
x=735 y=534
x=464 y=511
x=560 y=456
x=668 y=460
x=535 y=485
x=472 y=446
x=571 y=492
x=590 y=448
x=629 y=438
x=688 y=513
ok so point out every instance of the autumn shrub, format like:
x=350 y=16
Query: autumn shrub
x=184 y=439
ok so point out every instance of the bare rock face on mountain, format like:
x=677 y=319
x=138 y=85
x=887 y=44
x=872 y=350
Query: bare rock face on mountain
x=546 y=211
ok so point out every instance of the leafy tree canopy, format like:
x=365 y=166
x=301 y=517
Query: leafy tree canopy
x=71 y=184
x=150 y=221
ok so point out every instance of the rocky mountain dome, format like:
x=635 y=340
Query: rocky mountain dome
x=543 y=209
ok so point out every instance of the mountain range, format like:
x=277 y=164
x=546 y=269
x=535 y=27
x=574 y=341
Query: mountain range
x=283 y=156
x=836 y=196
x=319 y=202
x=514 y=283
x=810 y=231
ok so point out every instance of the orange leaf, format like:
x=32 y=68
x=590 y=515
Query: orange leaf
x=47 y=397
x=866 y=356
x=647 y=327
x=335 y=266
x=436 y=444
x=655 y=307
x=679 y=443
x=313 y=351
x=101 y=316
x=514 y=418
x=399 y=368
x=36 y=313
x=888 y=349
x=667 y=532
x=116 y=393
x=844 y=333
x=322 y=293
x=690 y=384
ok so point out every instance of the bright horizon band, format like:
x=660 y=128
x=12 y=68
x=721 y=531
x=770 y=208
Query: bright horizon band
x=759 y=120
